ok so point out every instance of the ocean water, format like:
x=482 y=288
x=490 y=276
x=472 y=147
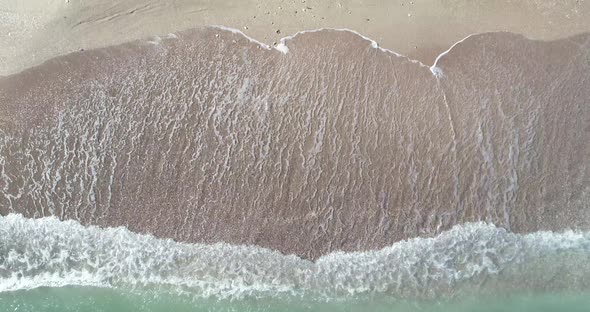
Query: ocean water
x=204 y=171
x=101 y=299
x=52 y=265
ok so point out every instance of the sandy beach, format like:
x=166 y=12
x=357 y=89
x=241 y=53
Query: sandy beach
x=205 y=137
x=300 y=155
x=33 y=31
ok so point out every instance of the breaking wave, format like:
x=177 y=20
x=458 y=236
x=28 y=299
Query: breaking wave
x=473 y=258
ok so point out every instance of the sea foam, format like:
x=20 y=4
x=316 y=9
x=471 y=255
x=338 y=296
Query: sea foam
x=474 y=257
x=334 y=146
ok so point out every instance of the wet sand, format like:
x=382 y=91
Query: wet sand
x=206 y=136
x=33 y=31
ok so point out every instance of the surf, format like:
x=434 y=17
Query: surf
x=470 y=259
x=337 y=145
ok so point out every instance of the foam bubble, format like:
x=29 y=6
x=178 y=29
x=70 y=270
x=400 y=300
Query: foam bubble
x=436 y=71
x=282 y=47
x=155 y=40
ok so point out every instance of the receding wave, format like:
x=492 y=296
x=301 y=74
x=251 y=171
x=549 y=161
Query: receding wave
x=206 y=137
x=474 y=258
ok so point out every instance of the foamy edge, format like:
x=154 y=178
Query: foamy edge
x=283 y=48
x=437 y=71
x=239 y=32
x=47 y=252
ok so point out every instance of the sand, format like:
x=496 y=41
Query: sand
x=336 y=145
x=33 y=31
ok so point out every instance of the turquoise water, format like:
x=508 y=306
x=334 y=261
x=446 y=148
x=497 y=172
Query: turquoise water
x=106 y=299
x=51 y=265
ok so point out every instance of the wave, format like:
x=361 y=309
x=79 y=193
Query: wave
x=474 y=258
x=206 y=136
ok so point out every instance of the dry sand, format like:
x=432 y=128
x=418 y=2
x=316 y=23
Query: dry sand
x=32 y=31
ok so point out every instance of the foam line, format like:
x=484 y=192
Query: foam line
x=47 y=252
x=283 y=47
x=437 y=71
x=372 y=42
x=237 y=31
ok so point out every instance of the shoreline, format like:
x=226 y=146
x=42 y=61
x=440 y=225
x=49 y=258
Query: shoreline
x=420 y=30
x=343 y=140
x=282 y=47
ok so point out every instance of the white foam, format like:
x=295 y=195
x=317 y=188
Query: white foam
x=49 y=252
x=437 y=71
x=155 y=40
x=372 y=42
x=282 y=47
x=237 y=31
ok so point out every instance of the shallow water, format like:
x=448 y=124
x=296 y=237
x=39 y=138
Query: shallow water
x=335 y=145
x=89 y=299
x=473 y=259
x=206 y=171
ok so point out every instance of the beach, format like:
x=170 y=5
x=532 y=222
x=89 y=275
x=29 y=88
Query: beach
x=294 y=155
x=34 y=31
